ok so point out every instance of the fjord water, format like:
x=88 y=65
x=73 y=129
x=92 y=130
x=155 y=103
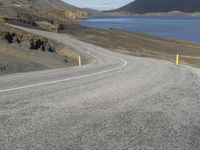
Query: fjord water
x=183 y=28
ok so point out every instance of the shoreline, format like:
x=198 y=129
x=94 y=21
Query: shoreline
x=154 y=33
x=172 y=13
x=139 y=44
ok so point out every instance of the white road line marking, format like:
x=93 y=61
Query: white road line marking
x=64 y=80
x=68 y=79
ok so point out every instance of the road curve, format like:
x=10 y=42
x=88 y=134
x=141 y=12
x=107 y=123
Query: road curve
x=114 y=102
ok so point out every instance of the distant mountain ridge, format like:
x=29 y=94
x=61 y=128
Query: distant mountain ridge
x=154 y=6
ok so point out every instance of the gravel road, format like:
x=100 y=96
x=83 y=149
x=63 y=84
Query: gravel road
x=116 y=102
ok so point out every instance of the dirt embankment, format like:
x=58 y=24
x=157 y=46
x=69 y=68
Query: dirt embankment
x=15 y=57
x=21 y=52
x=138 y=44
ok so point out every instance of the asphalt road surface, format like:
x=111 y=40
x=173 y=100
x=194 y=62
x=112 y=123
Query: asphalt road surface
x=116 y=102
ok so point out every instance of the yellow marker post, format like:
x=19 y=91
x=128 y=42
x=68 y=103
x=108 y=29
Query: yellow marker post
x=177 y=59
x=79 y=61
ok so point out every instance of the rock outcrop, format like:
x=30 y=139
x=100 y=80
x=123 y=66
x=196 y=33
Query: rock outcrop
x=27 y=41
x=48 y=14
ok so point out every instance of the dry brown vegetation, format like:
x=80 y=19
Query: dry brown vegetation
x=47 y=14
x=21 y=51
x=138 y=44
x=15 y=57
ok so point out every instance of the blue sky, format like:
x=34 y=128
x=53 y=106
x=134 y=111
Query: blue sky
x=99 y=4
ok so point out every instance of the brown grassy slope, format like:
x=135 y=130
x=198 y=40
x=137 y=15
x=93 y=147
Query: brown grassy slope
x=12 y=62
x=51 y=9
x=46 y=14
x=138 y=44
x=15 y=58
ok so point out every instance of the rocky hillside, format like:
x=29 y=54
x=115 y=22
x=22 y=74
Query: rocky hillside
x=48 y=14
x=149 y=6
x=21 y=51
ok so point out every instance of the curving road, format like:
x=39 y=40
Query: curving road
x=116 y=102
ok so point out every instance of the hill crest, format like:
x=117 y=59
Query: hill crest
x=153 y=6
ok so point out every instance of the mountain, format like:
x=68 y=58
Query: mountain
x=48 y=13
x=93 y=12
x=42 y=7
x=154 y=6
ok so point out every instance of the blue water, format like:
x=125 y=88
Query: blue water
x=183 y=28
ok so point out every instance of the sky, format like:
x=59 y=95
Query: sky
x=99 y=4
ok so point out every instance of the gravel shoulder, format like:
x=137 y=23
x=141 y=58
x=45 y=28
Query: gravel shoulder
x=147 y=104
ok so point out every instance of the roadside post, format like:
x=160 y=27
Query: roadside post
x=177 y=59
x=79 y=61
